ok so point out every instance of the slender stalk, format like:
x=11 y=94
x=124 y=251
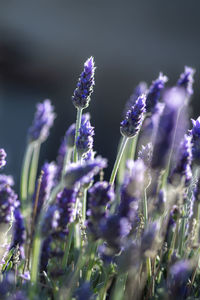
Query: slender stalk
x=182 y=232
x=35 y=258
x=68 y=246
x=33 y=168
x=78 y=125
x=118 y=159
x=66 y=161
x=120 y=286
x=84 y=205
x=24 y=175
x=132 y=147
x=33 y=217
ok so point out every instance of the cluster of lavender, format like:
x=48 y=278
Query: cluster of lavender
x=73 y=235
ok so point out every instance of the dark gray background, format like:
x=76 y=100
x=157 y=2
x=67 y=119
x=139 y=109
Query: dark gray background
x=43 y=45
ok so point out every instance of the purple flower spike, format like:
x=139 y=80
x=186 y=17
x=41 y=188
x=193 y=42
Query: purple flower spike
x=145 y=154
x=186 y=80
x=43 y=121
x=82 y=93
x=154 y=92
x=2 y=158
x=19 y=231
x=179 y=275
x=140 y=89
x=100 y=196
x=49 y=171
x=82 y=173
x=165 y=132
x=115 y=231
x=130 y=126
x=84 y=141
x=8 y=202
x=195 y=133
x=131 y=191
x=6 y=180
x=148 y=238
x=65 y=203
x=50 y=221
x=183 y=167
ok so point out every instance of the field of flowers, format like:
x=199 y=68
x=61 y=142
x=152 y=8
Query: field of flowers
x=72 y=235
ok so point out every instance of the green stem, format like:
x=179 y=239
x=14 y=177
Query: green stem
x=66 y=161
x=24 y=175
x=182 y=231
x=33 y=168
x=118 y=159
x=35 y=258
x=132 y=147
x=68 y=246
x=78 y=125
x=120 y=286
x=84 y=205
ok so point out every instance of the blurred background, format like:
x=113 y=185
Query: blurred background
x=43 y=46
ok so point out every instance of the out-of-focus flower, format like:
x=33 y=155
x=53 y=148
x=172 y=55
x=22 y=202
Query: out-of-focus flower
x=100 y=197
x=145 y=154
x=195 y=133
x=131 y=191
x=2 y=158
x=84 y=89
x=43 y=121
x=6 y=180
x=82 y=173
x=8 y=202
x=186 y=80
x=183 y=166
x=19 y=231
x=177 y=281
x=66 y=207
x=130 y=126
x=165 y=133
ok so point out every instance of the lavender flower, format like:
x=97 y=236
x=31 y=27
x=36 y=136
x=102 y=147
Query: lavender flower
x=65 y=203
x=82 y=173
x=2 y=158
x=82 y=93
x=164 y=137
x=183 y=167
x=84 y=141
x=154 y=92
x=50 y=221
x=131 y=191
x=8 y=202
x=114 y=231
x=100 y=196
x=148 y=238
x=130 y=126
x=49 y=171
x=6 y=180
x=177 y=282
x=161 y=201
x=145 y=154
x=195 y=133
x=60 y=158
x=43 y=121
x=19 y=231
x=140 y=89
x=186 y=80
